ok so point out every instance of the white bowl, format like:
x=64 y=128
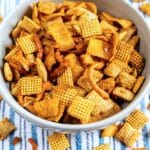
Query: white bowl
x=119 y=8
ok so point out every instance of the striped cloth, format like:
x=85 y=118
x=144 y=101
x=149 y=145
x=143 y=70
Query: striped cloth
x=78 y=141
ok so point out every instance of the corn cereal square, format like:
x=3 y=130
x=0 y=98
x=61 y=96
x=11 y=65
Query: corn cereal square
x=138 y=84
x=102 y=147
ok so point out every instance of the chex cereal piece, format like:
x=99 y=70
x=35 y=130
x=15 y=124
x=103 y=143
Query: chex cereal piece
x=96 y=48
x=64 y=94
x=123 y=93
x=66 y=78
x=101 y=105
x=126 y=80
x=47 y=108
x=83 y=81
x=6 y=127
x=124 y=51
x=16 y=89
x=137 y=119
x=127 y=134
x=136 y=60
x=134 y=40
x=81 y=108
x=90 y=27
x=102 y=147
x=27 y=45
x=130 y=31
x=127 y=69
x=110 y=131
x=138 y=84
x=58 y=141
x=31 y=85
x=145 y=8
x=81 y=91
x=29 y=25
x=107 y=84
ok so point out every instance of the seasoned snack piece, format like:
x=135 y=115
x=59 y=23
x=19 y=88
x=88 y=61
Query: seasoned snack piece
x=64 y=94
x=126 y=80
x=110 y=131
x=83 y=81
x=96 y=48
x=137 y=61
x=145 y=8
x=137 y=119
x=31 y=85
x=124 y=51
x=8 y=72
x=27 y=45
x=102 y=147
x=81 y=91
x=107 y=84
x=130 y=32
x=90 y=27
x=66 y=79
x=61 y=35
x=6 y=127
x=127 y=69
x=101 y=105
x=16 y=89
x=138 y=84
x=81 y=108
x=58 y=141
x=29 y=25
x=47 y=108
x=123 y=93
x=127 y=134
x=134 y=40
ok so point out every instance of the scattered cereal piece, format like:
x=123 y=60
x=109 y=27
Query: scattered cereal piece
x=58 y=141
x=81 y=108
x=102 y=147
x=127 y=134
x=6 y=127
x=138 y=84
x=110 y=131
x=1 y=98
x=16 y=140
x=140 y=148
x=137 y=119
x=138 y=0
x=33 y=143
x=123 y=93
x=145 y=8
x=1 y=18
x=31 y=85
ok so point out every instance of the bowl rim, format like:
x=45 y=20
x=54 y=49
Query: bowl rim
x=60 y=126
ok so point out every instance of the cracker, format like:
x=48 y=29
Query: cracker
x=27 y=45
x=58 y=141
x=31 y=85
x=128 y=135
x=47 y=108
x=134 y=41
x=66 y=79
x=137 y=119
x=81 y=108
x=102 y=147
x=126 y=80
x=110 y=131
x=83 y=81
x=145 y=8
x=90 y=27
x=64 y=94
x=124 y=51
x=6 y=127
x=29 y=25
x=123 y=93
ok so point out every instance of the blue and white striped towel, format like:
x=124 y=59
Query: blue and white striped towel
x=78 y=141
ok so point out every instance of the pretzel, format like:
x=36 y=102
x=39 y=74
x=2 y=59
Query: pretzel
x=27 y=45
x=137 y=119
x=102 y=147
x=6 y=127
x=123 y=93
x=126 y=80
x=127 y=134
x=33 y=144
x=29 y=25
x=58 y=141
x=138 y=84
x=81 y=109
